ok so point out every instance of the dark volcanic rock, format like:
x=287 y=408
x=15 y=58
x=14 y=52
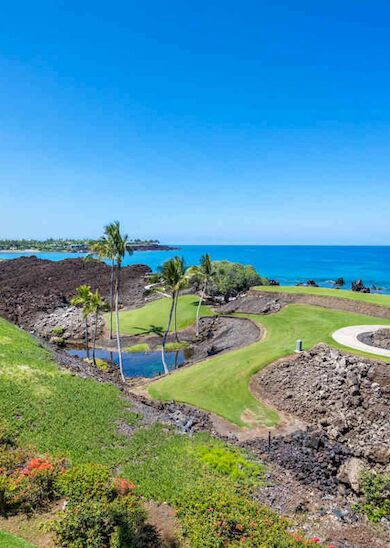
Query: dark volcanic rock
x=253 y=303
x=359 y=286
x=310 y=455
x=379 y=338
x=348 y=397
x=32 y=287
x=219 y=334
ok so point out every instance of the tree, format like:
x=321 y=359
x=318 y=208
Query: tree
x=96 y=305
x=203 y=273
x=182 y=282
x=82 y=299
x=232 y=278
x=119 y=245
x=171 y=280
x=103 y=248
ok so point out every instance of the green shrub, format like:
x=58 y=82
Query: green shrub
x=376 y=496
x=85 y=482
x=100 y=523
x=222 y=517
x=100 y=364
x=29 y=488
x=58 y=330
x=231 y=463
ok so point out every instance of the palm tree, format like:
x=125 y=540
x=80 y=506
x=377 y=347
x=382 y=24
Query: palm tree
x=104 y=250
x=96 y=304
x=172 y=279
x=204 y=273
x=82 y=299
x=182 y=282
x=119 y=245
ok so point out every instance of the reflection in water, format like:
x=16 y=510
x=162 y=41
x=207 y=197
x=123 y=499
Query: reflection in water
x=137 y=364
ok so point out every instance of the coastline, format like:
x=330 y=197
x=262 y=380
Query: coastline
x=152 y=247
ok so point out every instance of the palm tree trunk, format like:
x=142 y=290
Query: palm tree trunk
x=118 y=334
x=111 y=296
x=86 y=336
x=202 y=294
x=166 y=370
x=176 y=301
x=94 y=338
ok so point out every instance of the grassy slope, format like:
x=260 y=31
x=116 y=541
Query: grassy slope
x=155 y=314
x=11 y=541
x=62 y=414
x=220 y=384
x=371 y=298
x=53 y=410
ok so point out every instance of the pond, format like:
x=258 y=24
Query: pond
x=136 y=364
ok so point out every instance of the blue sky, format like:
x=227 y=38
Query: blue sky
x=196 y=122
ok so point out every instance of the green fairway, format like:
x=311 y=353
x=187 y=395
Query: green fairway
x=220 y=384
x=11 y=541
x=153 y=317
x=371 y=298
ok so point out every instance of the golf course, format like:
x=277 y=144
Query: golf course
x=221 y=384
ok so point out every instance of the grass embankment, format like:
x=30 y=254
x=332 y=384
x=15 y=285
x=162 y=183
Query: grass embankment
x=221 y=384
x=11 y=541
x=63 y=415
x=153 y=317
x=369 y=298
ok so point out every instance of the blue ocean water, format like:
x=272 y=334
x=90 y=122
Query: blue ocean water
x=287 y=264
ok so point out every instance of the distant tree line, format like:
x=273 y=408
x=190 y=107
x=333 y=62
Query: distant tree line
x=62 y=244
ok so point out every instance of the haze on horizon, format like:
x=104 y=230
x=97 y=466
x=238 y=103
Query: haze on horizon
x=256 y=123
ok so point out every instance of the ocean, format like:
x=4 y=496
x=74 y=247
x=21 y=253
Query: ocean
x=287 y=264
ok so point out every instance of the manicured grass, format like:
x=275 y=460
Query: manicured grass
x=141 y=347
x=371 y=298
x=173 y=346
x=11 y=541
x=220 y=384
x=153 y=317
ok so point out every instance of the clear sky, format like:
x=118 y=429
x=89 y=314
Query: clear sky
x=196 y=121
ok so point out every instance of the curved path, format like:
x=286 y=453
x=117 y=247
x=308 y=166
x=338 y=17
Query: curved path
x=348 y=336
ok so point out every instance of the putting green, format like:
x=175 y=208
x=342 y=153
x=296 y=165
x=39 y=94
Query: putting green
x=153 y=317
x=369 y=298
x=221 y=384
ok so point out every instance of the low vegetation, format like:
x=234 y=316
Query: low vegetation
x=59 y=416
x=221 y=383
x=141 y=347
x=369 y=298
x=376 y=496
x=174 y=346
